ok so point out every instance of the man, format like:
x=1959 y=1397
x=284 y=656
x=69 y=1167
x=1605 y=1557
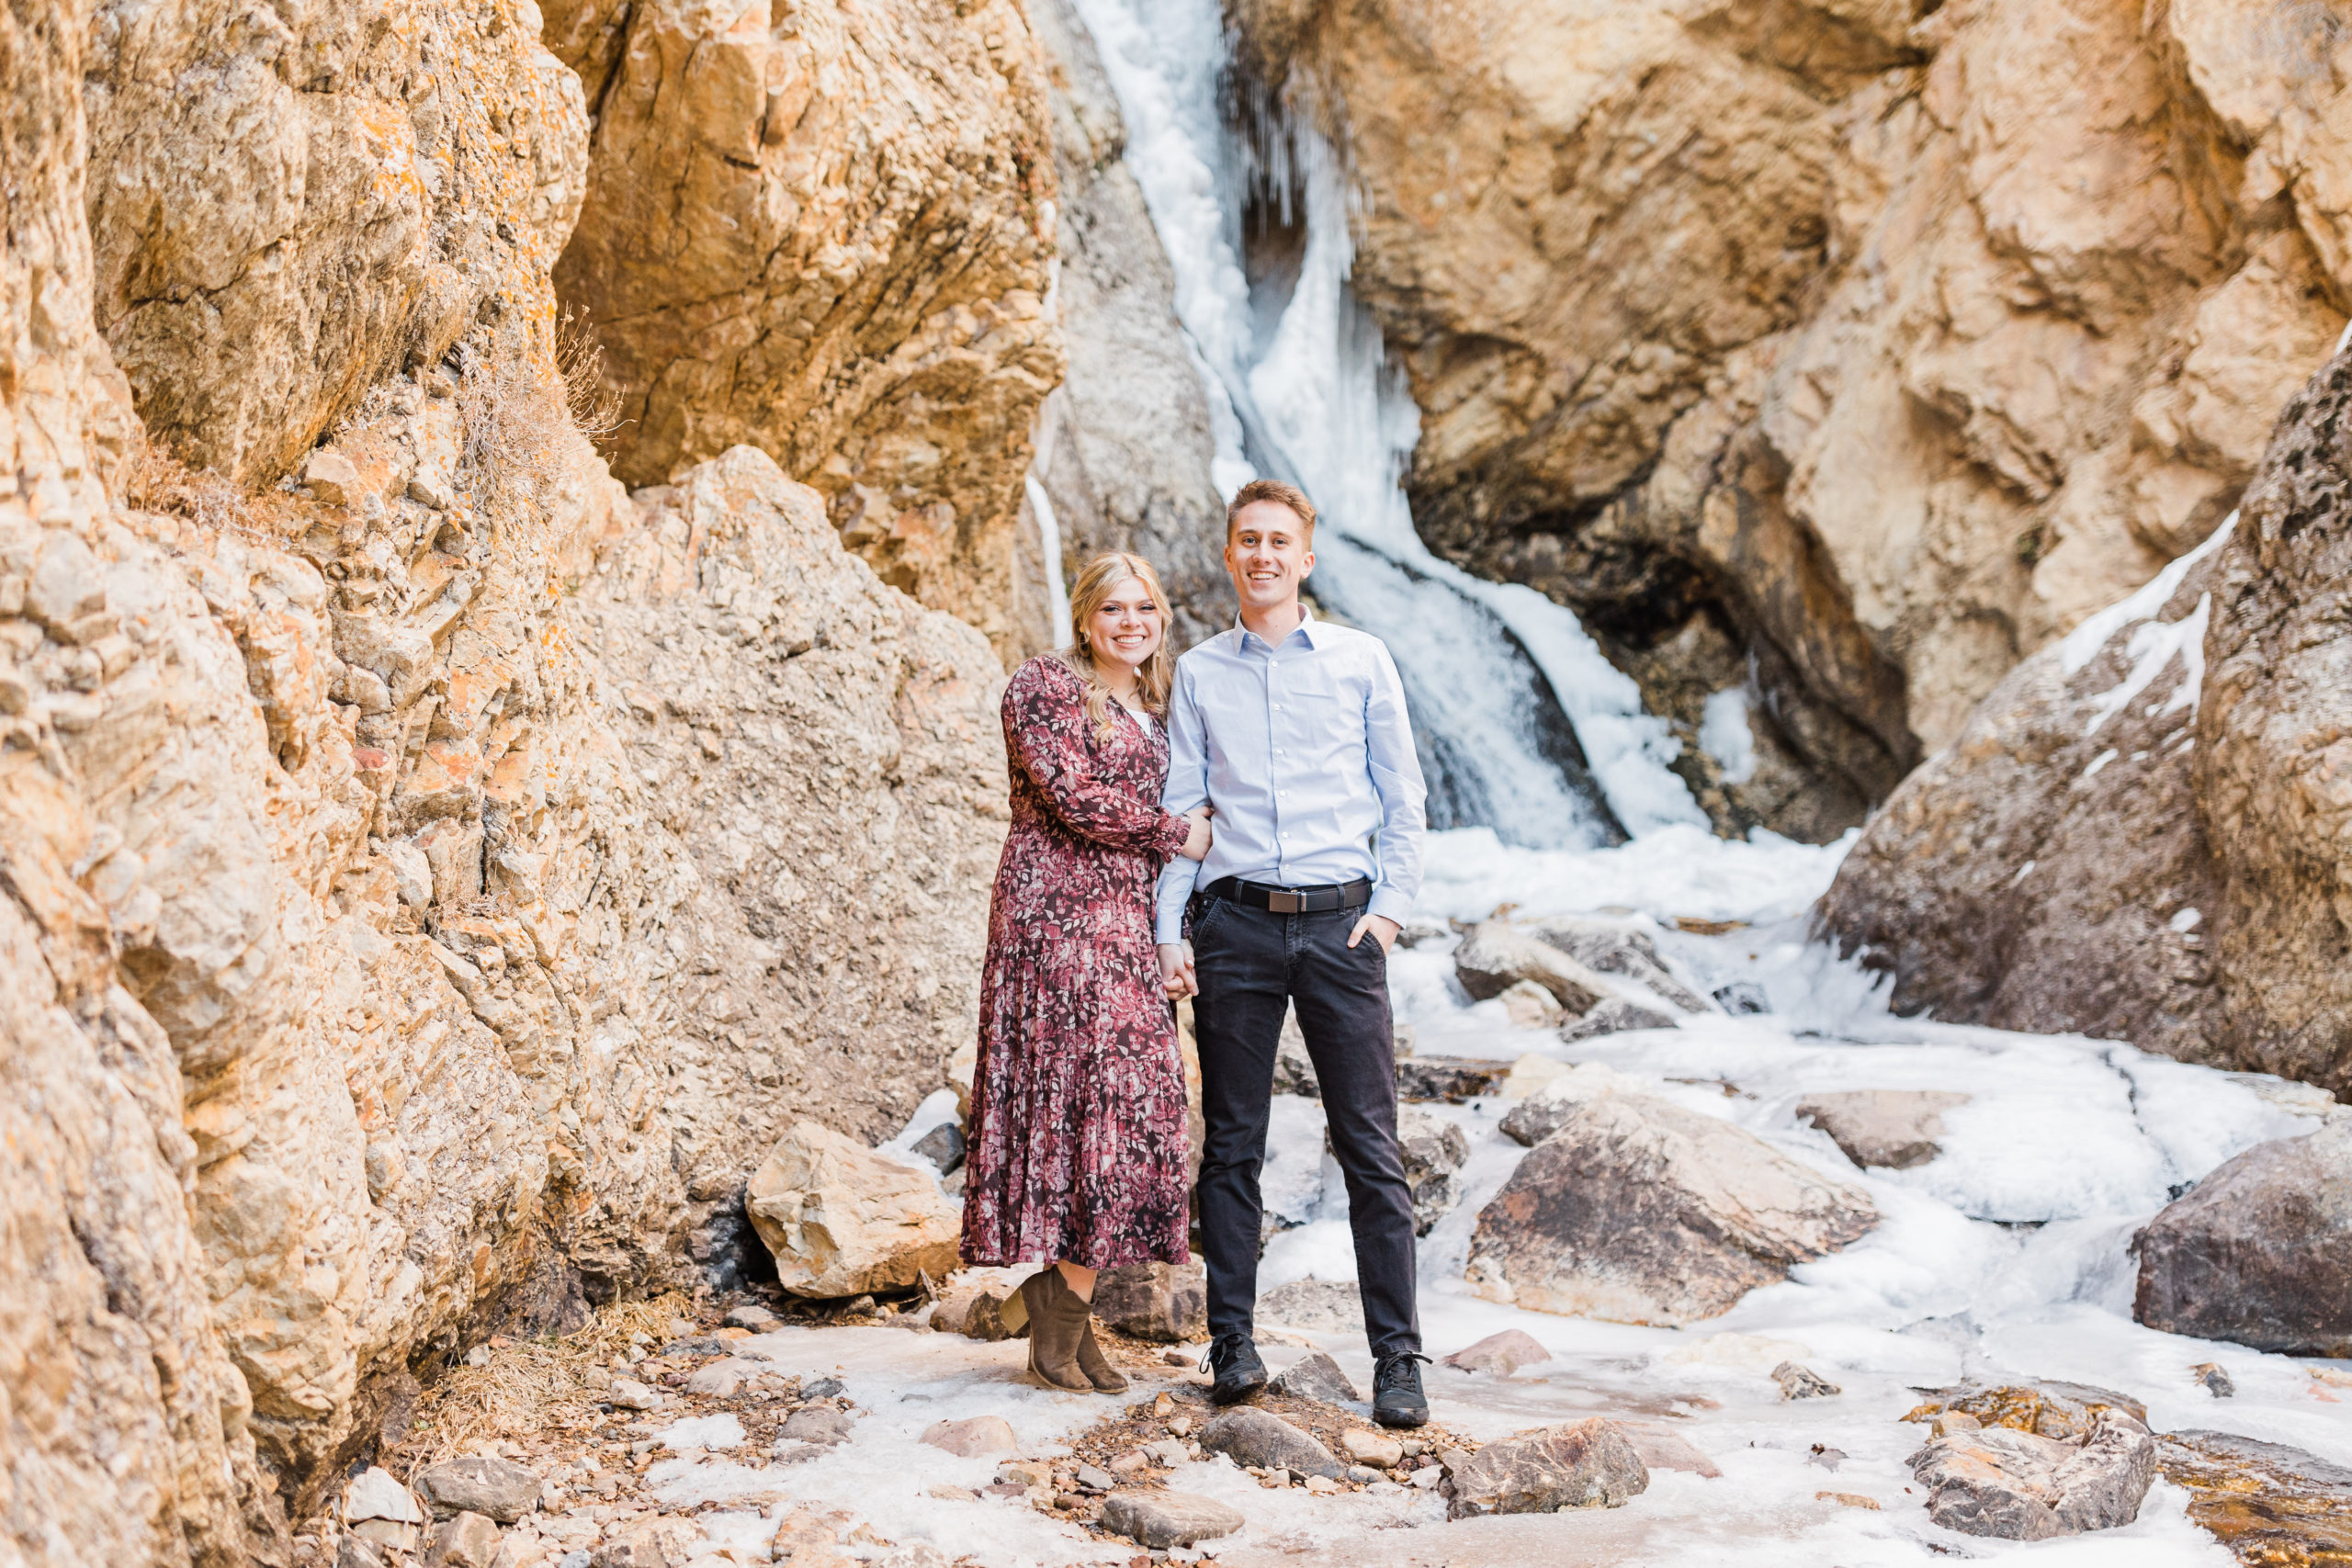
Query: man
x=1293 y=730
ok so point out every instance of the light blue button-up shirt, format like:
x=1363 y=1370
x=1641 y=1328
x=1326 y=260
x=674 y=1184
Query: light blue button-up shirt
x=1304 y=749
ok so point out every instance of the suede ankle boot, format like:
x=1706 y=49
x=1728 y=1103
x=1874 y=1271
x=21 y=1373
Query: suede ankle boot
x=1106 y=1377
x=1056 y=1321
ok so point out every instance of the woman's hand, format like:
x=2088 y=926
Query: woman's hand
x=1196 y=842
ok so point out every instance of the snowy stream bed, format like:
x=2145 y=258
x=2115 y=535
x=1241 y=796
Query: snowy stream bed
x=2006 y=1256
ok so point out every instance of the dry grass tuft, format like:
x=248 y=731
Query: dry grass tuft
x=530 y=1384
x=154 y=480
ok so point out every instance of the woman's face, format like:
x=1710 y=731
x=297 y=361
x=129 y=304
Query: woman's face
x=1126 y=626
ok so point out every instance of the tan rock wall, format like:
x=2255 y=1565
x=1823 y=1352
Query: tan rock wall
x=424 y=891
x=1879 y=350
x=827 y=231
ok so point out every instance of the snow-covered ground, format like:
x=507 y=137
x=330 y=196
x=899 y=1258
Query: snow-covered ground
x=2005 y=1257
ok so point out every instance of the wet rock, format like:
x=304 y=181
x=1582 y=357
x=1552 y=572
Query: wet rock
x=1434 y=1151
x=466 y=1540
x=974 y=1436
x=1316 y=1306
x=1614 y=1015
x=2273 y=1505
x=822 y=1424
x=2260 y=1252
x=1496 y=954
x=1892 y=1128
x=2017 y=1485
x=1317 y=1376
x=1164 y=1301
x=1743 y=997
x=1546 y=1108
x=1585 y=1464
x=841 y=1218
x=480 y=1484
x=1500 y=1354
x=1611 y=947
x=1638 y=1211
x=1162 y=1521
x=1803 y=1382
x=1450 y=1078
x=2213 y=1380
x=943 y=1147
x=1248 y=1437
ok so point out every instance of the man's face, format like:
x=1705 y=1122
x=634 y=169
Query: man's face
x=1265 y=550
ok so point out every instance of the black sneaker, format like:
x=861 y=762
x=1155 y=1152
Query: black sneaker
x=1240 y=1372
x=1397 y=1397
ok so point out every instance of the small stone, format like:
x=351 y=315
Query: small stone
x=823 y=1388
x=1847 y=1500
x=1742 y=997
x=1589 y=1463
x=1182 y=1356
x=1252 y=1436
x=974 y=1436
x=1373 y=1448
x=333 y=478
x=1127 y=1465
x=2213 y=1380
x=822 y=1424
x=1500 y=1354
x=1801 y=1383
x=1317 y=1376
x=1364 y=1475
x=942 y=1146
x=1323 y=1485
x=387 y=1533
x=758 y=1319
x=1168 y=1453
x=1164 y=1520
x=1095 y=1478
x=1427 y=1480
x=466 y=1540
x=1025 y=1473
x=479 y=1484
x=1530 y=1005
x=376 y=1495
x=356 y=1552
x=631 y=1394
x=723 y=1378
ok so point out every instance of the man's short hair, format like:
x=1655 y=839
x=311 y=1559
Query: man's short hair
x=1278 y=492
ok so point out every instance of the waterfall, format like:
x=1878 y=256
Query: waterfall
x=1049 y=541
x=1525 y=726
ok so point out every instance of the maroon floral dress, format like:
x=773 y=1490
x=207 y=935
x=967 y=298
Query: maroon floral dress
x=1078 y=1136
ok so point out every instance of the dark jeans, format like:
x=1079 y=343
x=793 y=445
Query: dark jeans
x=1249 y=962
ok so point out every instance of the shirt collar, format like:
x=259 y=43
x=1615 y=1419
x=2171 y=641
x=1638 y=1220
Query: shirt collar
x=1308 y=628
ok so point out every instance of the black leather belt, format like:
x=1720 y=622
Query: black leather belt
x=1293 y=901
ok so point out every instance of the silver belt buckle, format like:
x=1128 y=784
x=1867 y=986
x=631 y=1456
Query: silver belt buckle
x=1282 y=901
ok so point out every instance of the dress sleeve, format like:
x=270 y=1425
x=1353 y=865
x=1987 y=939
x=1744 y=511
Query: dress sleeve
x=1044 y=736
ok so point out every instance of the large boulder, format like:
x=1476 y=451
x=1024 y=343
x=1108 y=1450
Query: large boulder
x=2019 y=1485
x=1638 y=1211
x=841 y=1220
x=1585 y=1464
x=1434 y=1151
x=2260 y=1252
x=1166 y=1301
x=1497 y=954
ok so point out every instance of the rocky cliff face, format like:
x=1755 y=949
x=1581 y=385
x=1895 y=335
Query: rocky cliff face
x=423 y=886
x=828 y=230
x=1843 y=354
x=2136 y=835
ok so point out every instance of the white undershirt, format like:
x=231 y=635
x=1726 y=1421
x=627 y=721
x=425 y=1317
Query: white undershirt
x=1143 y=720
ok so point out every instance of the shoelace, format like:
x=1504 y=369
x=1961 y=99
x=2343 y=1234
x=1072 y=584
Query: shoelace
x=1394 y=1369
x=1208 y=1362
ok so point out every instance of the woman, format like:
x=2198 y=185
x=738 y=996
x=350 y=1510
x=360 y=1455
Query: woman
x=1078 y=1140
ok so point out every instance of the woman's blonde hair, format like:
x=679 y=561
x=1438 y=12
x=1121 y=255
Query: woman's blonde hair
x=1157 y=676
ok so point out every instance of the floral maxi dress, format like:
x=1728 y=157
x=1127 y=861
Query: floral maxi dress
x=1078 y=1135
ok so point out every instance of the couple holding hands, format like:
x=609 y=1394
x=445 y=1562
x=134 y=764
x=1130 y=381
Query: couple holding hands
x=1242 y=826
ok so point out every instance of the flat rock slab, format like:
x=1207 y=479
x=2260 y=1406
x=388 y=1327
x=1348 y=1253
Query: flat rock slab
x=1892 y=1128
x=822 y=1424
x=973 y=1437
x=2017 y=1485
x=1501 y=1354
x=2260 y=1252
x=2267 y=1503
x=1317 y=1377
x=1639 y=1210
x=1250 y=1437
x=480 y=1484
x=1161 y=1520
x=1585 y=1464
x=378 y=1495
